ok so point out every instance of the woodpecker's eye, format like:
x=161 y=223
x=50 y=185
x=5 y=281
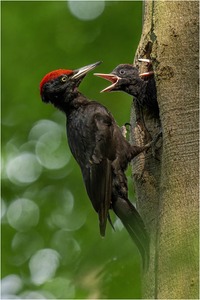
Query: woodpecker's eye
x=122 y=72
x=64 y=78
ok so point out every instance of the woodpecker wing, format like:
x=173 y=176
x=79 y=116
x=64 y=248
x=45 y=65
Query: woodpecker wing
x=98 y=182
x=90 y=138
x=99 y=174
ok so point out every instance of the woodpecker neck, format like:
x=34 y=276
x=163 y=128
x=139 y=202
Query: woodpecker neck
x=137 y=90
x=70 y=102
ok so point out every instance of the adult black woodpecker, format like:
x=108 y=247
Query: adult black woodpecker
x=126 y=77
x=99 y=148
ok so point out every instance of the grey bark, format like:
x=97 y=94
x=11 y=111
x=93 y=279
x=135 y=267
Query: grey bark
x=167 y=185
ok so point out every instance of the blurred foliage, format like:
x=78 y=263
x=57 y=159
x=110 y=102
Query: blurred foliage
x=51 y=247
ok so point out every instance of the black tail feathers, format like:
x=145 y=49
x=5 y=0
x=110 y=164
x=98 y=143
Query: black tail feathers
x=134 y=224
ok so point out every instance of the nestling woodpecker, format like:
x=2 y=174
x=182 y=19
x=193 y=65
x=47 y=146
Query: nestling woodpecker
x=99 y=148
x=126 y=77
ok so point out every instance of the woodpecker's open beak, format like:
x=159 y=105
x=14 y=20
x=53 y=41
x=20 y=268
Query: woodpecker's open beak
x=110 y=77
x=84 y=70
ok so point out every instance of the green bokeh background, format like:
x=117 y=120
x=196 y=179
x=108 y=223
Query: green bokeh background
x=44 y=204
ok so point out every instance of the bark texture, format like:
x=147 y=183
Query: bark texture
x=167 y=183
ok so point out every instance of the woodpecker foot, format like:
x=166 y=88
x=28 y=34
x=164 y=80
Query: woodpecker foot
x=154 y=142
x=124 y=129
x=157 y=137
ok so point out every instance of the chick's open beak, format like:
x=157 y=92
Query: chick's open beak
x=110 y=77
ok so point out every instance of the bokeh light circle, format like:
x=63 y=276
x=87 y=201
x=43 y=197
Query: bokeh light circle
x=10 y=285
x=41 y=127
x=23 y=214
x=43 y=265
x=23 y=169
x=86 y=10
x=66 y=215
x=29 y=241
x=3 y=209
x=68 y=247
x=51 y=147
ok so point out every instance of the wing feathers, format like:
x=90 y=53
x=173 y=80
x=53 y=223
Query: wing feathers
x=99 y=188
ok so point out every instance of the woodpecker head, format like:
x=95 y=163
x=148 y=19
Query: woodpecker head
x=125 y=78
x=60 y=85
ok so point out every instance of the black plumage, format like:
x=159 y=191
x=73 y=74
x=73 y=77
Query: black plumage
x=100 y=149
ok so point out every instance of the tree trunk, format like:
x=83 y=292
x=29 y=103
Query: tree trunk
x=167 y=183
